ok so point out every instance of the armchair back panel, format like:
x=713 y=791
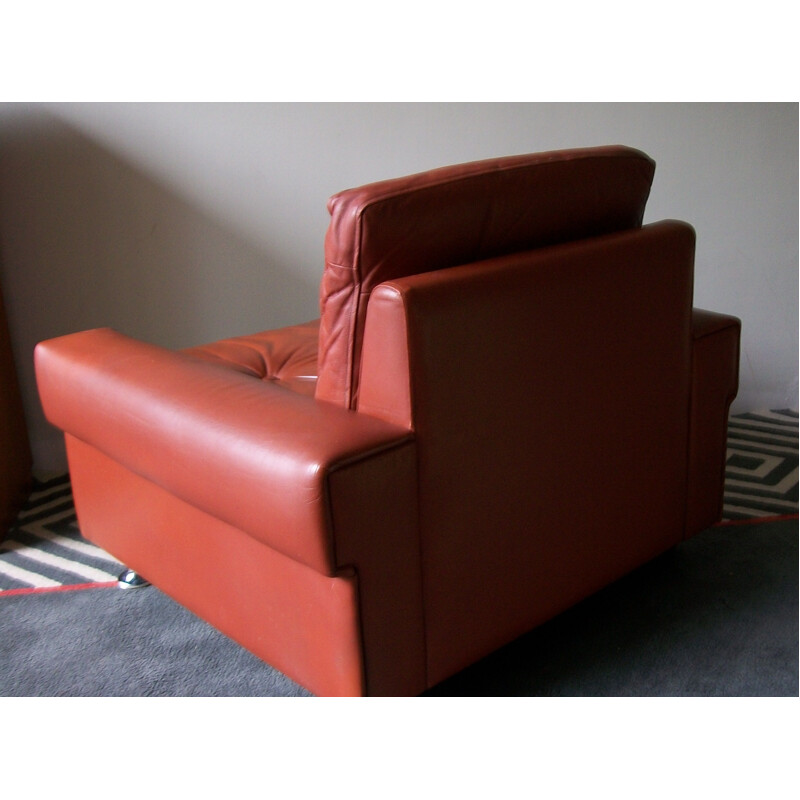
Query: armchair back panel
x=549 y=394
x=457 y=215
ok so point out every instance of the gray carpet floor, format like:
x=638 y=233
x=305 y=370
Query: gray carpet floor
x=716 y=616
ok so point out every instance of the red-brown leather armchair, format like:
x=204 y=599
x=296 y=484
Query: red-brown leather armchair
x=507 y=403
x=15 y=453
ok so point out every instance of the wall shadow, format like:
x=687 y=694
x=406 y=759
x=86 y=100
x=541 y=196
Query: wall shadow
x=90 y=241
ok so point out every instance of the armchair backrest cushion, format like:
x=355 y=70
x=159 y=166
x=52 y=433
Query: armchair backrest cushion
x=457 y=215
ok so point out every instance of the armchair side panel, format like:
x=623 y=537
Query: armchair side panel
x=375 y=519
x=300 y=621
x=715 y=381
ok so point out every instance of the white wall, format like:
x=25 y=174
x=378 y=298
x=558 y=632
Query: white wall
x=180 y=224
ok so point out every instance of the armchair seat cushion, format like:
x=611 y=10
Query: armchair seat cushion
x=286 y=357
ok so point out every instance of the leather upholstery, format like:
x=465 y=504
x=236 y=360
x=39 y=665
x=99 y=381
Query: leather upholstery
x=247 y=452
x=300 y=621
x=516 y=404
x=557 y=409
x=456 y=215
x=15 y=454
x=715 y=380
x=286 y=357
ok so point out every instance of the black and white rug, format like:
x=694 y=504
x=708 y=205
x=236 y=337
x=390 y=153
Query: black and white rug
x=44 y=550
x=761 y=470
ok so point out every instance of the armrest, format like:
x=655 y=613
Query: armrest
x=247 y=452
x=715 y=382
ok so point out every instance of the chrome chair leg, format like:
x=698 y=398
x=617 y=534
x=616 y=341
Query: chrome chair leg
x=128 y=579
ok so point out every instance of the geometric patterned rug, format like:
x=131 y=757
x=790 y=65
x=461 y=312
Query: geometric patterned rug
x=761 y=468
x=44 y=550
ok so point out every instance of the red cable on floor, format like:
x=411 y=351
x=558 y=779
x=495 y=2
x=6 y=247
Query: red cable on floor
x=70 y=588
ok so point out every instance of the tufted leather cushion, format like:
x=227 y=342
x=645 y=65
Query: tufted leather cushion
x=286 y=356
x=456 y=215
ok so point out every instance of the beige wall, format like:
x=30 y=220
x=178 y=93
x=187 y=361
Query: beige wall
x=180 y=224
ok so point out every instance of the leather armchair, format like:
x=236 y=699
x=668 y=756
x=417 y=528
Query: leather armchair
x=507 y=403
x=15 y=453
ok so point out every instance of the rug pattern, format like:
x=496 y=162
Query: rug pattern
x=44 y=550
x=761 y=466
